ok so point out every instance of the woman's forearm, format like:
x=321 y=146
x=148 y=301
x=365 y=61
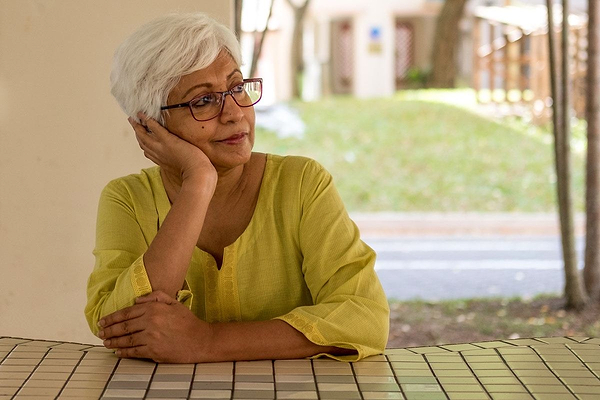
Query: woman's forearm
x=256 y=340
x=168 y=257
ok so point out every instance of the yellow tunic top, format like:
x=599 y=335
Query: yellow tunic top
x=300 y=259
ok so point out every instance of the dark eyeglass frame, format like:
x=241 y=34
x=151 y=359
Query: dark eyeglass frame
x=230 y=92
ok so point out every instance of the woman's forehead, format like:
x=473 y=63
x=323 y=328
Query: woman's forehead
x=217 y=74
x=223 y=66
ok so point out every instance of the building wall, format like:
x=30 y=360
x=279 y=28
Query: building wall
x=373 y=53
x=374 y=56
x=374 y=24
x=62 y=138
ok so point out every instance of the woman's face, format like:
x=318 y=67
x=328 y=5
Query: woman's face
x=227 y=139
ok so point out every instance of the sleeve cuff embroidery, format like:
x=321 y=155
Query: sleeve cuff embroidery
x=307 y=328
x=139 y=278
x=304 y=326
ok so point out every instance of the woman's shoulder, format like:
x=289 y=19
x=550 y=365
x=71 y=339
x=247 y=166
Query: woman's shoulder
x=295 y=175
x=294 y=165
x=147 y=180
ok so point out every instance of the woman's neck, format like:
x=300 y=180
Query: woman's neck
x=230 y=183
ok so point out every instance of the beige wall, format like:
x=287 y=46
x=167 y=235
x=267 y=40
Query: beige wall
x=62 y=138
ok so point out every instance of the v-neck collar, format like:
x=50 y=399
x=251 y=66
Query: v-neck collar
x=163 y=206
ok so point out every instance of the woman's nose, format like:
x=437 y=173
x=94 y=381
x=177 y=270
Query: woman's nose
x=231 y=111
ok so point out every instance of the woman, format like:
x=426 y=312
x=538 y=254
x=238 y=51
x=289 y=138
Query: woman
x=219 y=253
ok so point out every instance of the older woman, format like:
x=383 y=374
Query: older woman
x=220 y=253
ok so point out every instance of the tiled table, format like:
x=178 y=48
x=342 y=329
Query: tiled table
x=542 y=368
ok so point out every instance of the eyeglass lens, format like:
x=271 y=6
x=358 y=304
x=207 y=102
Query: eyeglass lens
x=209 y=105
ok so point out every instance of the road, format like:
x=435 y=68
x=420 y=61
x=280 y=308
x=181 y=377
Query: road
x=465 y=266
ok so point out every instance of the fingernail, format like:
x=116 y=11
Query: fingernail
x=106 y=343
x=101 y=323
x=118 y=353
x=101 y=334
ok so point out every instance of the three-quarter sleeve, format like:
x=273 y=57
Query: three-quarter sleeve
x=130 y=211
x=119 y=274
x=350 y=309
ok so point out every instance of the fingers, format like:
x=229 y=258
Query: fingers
x=130 y=346
x=133 y=352
x=139 y=127
x=125 y=341
x=127 y=327
x=146 y=140
x=147 y=125
x=146 y=130
x=151 y=136
x=156 y=296
x=152 y=125
x=125 y=314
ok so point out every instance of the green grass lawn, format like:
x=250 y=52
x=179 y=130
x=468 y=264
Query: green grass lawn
x=427 y=151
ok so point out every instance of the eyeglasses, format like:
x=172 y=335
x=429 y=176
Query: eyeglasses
x=210 y=105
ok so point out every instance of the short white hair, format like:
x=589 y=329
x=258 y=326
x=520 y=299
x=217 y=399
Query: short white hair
x=150 y=62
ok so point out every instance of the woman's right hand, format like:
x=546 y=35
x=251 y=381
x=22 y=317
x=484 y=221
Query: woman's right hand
x=180 y=160
x=190 y=180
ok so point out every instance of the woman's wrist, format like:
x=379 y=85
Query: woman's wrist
x=257 y=340
x=210 y=346
x=200 y=184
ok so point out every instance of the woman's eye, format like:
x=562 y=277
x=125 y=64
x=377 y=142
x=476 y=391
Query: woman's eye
x=238 y=88
x=204 y=100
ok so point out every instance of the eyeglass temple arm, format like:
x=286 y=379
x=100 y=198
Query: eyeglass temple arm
x=175 y=106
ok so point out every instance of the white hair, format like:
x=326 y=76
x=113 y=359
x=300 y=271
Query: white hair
x=150 y=62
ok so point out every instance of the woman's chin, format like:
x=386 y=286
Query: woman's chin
x=232 y=160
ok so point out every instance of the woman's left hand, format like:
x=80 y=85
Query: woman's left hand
x=157 y=327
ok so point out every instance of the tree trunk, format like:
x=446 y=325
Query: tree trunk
x=575 y=297
x=258 y=46
x=591 y=271
x=445 y=43
x=237 y=23
x=297 y=59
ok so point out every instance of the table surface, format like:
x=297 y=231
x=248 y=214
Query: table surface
x=540 y=368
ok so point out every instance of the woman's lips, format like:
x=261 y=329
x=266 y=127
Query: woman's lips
x=234 y=139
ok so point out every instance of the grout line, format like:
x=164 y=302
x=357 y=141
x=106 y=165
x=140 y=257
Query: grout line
x=513 y=372
x=554 y=373
x=233 y=380
x=437 y=379
x=192 y=382
x=395 y=376
x=312 y=366
x=274 y=379
x=462 y=356
x=583 y=362
x=151 y=378
x=70 y=375
x=56 y=342
x=109 y=378
x=539 y=341
x=31 y=373
x=7 y=354
x=356 y=381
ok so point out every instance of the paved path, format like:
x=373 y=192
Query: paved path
x=444 y=256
